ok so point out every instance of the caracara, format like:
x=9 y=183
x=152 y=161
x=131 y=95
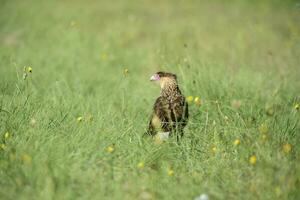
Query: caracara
x=170 y=111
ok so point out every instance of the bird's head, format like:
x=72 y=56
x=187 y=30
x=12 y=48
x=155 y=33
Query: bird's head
x=164 y=79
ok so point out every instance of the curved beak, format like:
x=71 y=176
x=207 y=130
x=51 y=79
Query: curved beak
x=154 y=77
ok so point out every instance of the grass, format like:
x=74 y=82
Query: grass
x=241 y=58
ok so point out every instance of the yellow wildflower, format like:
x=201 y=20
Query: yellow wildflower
x=226 y=118
x=237 y=142
x=277 y=190
x=110 y=149
x=214 y=149
x=252 y=160
x=189 y=99
x=264 y=137
x=170 y=172
x=126 y=71
x=198 y=101
x=297 y=106
x=270 y=111
x=103 y=56
x=79 y=119
x=2 y=146
x=73 y=23
x=286 y=148
x=6 y=135
x=26 y=70
x=32 y=122
x=140 y=165
x=26 y=159
x=263 y=129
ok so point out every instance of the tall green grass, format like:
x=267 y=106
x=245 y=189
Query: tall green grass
x=78 y=101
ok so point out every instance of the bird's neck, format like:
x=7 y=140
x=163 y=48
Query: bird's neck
x=170 y=90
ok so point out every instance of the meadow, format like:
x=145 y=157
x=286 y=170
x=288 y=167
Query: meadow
x=75 y=99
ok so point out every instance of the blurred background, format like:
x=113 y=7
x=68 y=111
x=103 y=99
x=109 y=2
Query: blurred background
x=66 y=62
x=149 y=35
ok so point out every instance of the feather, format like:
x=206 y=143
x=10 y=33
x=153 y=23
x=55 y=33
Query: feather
x=170 y=110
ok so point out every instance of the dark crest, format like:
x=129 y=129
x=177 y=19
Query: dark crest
x=166 y=74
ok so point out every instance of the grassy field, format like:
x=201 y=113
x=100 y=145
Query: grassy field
x=71 y=124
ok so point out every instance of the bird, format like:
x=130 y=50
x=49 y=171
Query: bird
x=170 y=111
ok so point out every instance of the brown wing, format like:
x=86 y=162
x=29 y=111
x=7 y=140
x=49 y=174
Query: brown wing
x=161 y=117
x=180 y=112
